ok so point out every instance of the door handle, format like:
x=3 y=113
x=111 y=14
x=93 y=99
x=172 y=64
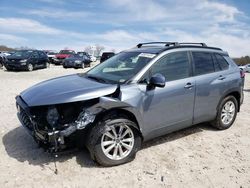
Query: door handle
x=222 y=77
x=188 y=85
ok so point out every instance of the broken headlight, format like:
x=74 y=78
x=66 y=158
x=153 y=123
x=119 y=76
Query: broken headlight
x=52 y=116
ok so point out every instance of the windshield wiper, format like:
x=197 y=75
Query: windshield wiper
x=98 y=79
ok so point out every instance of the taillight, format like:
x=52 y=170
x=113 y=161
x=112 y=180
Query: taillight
x=242 y=74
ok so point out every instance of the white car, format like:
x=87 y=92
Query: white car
x=245 y=68
x=92 y=58
x=3 y=56
x=52 y=56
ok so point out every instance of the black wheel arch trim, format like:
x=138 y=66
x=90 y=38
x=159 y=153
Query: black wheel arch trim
x=232 y=92
x=107 y=105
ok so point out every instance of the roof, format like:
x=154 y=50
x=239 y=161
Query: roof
x=148 y=49
x=158 y=47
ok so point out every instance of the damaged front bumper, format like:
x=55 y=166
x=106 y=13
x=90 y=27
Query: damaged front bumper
x=53 y=139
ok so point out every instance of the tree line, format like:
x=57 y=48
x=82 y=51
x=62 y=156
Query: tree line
x=242 y=61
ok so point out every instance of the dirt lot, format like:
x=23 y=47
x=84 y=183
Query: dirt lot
x=196 y=157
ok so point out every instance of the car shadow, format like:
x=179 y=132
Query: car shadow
x=178 y=134
x=20 y=146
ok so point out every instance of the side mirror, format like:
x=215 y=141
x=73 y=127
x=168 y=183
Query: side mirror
x=157 y=80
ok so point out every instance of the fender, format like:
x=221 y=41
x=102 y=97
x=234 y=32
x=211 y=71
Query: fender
x=234 y=89
x=109 y=103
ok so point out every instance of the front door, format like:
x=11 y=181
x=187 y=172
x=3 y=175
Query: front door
x=170 y=108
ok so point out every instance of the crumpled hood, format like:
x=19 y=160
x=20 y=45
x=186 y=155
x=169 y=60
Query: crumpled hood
x=65 y=89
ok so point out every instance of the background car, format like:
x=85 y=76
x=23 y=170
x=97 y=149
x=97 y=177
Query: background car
x=2 y=59
x=51 y=55
x=92 y=58
x=58 y=60
x=79 y=60
x=106 y=55
x=26 y=60
x=135 y=96
x=245 y=68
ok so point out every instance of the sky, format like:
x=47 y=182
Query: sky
x=121 y=24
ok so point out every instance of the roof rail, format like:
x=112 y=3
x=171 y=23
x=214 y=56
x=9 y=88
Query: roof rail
x=166 y=43
x=193 y=43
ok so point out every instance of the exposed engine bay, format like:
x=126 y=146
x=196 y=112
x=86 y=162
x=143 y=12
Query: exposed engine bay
x=56 y=127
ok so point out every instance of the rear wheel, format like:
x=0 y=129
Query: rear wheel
x=114 y=142
x=226 y=114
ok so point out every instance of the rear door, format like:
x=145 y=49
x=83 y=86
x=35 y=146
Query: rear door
x=211 y=82
x=43 y=58
x=169 y=108
x=35 y=59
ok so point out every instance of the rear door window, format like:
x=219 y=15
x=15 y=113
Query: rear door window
x=203 y=63
x=221 y=61
x=35 y=55
x=42 y=54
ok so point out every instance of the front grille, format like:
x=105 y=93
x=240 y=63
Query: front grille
x=14 y=61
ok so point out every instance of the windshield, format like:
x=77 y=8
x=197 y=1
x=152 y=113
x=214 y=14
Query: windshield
x=67 y=52
x=51 y=53
x=76 y=56
x=25 y=53
x=82 y=54
x=121 y=67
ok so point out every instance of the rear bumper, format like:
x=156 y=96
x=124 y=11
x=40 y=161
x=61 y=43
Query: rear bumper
x=242 y=95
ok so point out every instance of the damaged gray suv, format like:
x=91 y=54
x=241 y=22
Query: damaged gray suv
x=139 y=94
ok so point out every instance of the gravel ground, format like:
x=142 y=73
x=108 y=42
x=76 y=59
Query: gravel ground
x=199 y=156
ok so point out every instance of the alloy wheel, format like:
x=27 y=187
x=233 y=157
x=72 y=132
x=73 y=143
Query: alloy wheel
x=30 y=67
x=117 y=142
x=228 y=112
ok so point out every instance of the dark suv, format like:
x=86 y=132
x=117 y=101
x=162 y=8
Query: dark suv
x=26 y=60
x=106 y=55
x=134 y=96
x=79 y=60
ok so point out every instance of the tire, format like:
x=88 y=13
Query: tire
x=47 y=65
x=99 y=140
x=226 y=116
x=88 y=65
x=30 y=67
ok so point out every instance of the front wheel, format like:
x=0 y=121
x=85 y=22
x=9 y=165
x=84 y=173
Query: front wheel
x=226 y=114
x=30 y=67
x=114 y=142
